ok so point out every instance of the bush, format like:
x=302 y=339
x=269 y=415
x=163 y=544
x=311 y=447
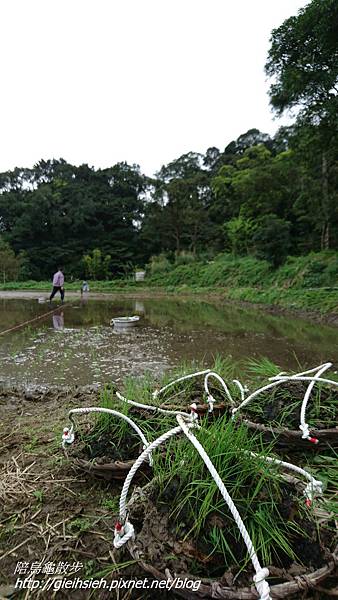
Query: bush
x=159 y=264
x=184 y=258
x=271 y=239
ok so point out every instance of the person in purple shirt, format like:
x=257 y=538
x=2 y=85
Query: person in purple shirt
x=58 y=282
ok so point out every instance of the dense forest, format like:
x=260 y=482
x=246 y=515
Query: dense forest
x=262 y=196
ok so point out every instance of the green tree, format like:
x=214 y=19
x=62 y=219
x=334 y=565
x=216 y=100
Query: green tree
x=271 y=239
x=239 y=232
x=10 y=265
x=96 y=265
x=303 y=60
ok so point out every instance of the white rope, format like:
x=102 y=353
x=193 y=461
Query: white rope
x=183 y=378
x=308 y=372
x=160 y=440
x=151 y=407
x=242 y=388
x=304 y=427
x=314 y=486
x=281 y=378
x=261 y=573
x=68 y=436
x=125 y=532
x=210 y=399
x=123 y=535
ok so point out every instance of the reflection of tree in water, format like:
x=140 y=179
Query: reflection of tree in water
x=191 y=314
x=170 y=331
x=13 y=312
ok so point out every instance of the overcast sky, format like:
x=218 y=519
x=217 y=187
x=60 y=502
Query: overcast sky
x=102 y=81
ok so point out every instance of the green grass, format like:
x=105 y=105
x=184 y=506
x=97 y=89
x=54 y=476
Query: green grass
x=280 y=406
x=272 y=510
x=255 y=486
x=304 y=282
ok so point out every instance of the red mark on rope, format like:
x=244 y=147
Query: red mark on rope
x=308 y=502
x=313 y=440
x=118 y=526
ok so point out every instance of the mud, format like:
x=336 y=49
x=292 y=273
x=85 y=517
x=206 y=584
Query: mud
x=77 y=343
x=159 y=544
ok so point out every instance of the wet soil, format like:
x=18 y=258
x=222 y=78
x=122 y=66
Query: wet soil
x=76 y=343
x=161 y=543
x=48 y=511
x=51 y=513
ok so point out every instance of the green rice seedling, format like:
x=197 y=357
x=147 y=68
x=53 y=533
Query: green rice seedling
x=269 y=506
x=281 y=405
x=262 y=367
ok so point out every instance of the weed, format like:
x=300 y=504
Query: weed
x=39 y=495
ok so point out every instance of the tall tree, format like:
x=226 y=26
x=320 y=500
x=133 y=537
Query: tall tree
x=303 y=60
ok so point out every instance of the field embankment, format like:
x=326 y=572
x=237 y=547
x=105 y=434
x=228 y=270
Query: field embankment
x=307 y=283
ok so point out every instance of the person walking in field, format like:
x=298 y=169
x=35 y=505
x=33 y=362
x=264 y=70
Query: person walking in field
x=58 y=283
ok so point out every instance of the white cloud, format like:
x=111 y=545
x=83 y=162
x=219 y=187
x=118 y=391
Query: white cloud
x=137 y=80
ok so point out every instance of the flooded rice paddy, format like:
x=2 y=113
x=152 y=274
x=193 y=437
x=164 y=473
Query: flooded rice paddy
x=77 y=345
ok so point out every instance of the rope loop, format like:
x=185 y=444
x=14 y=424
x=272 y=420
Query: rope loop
x=68 y=436
x=123 y=533
x=262 y=586
x=211 y=401
x=312 y=489
x=194 y=414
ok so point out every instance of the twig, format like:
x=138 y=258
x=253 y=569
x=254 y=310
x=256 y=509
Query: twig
x=16 y=548
x=333 y=592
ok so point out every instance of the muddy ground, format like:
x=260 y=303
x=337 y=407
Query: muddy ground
x=53 y=518
x=49 y=512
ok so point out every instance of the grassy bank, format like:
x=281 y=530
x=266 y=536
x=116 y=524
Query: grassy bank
x=306 y=282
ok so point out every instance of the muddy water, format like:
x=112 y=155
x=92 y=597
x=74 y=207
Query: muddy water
x=77 y=345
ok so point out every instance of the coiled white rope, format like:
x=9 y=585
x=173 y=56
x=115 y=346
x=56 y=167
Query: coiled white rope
x=68 y=432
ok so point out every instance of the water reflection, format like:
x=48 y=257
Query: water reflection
x=58 y=321
x=169 y=331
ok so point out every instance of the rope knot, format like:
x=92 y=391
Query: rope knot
x=233 y=412
x=67 y=436
x=211 y=401
x=262 y=586
x=305 y=431
x=149 y=457
x=306 y=434
x=123 y=533
x=194 y=413
x=312 y=489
